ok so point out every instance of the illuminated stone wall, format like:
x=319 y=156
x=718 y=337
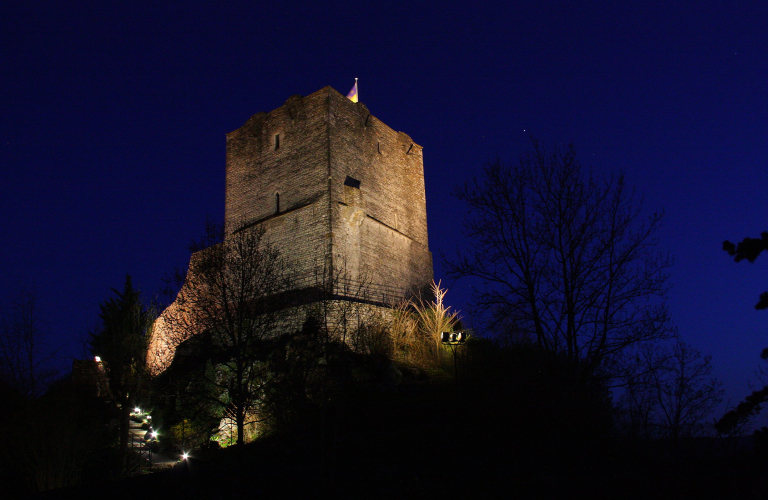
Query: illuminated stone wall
x=351 y=190
x=283 y=154
x=338 y=192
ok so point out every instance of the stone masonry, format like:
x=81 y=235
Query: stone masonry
x=337 y=191
x=335 y=188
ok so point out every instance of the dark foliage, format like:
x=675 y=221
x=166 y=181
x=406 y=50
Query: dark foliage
x=516 y=426
x=735 y=419
x=357 y=425
x=26 y=359
x=302 y=371
x=121 y=343
x=761 y=440
x=54 y=441
x=750 y=249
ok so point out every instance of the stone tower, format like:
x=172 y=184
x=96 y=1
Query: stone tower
x=338 y=193
x=335 y=189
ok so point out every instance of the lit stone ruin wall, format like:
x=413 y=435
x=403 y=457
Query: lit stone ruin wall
x=336 y=190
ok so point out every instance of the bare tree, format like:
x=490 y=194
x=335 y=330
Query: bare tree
x=565 y=258
x=671 y=393
x=26 y=361
x=637 y=405
x=231 y=307
x=686 y=393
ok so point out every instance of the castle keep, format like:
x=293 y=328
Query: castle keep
x=337 y=191
x=335 y=188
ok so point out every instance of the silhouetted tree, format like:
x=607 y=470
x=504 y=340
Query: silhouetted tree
x=637 y=406
x=121 y=343
x=54 y=437
x=229 y=309
x=739 y=417
x=750 y=249
x=565 y=258
x=673 y=394
x=25 y=358
x=736 y=418
x=687 y=393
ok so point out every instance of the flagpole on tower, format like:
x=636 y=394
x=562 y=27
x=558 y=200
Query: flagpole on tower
x=352 y=96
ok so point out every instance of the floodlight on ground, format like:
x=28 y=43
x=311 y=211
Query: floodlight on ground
x=453 y=340
x=453 y=337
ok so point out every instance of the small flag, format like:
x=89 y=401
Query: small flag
x=352 y=96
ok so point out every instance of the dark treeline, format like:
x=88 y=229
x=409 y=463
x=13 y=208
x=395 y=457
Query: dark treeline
x=516 y=422
x=56 y=431
x=370 y=421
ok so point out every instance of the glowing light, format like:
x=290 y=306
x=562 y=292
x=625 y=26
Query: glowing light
x=184 y=456
x=154 y=434
x=98 y=359
x=353 y=95
x=137 y=410
x=453 y=337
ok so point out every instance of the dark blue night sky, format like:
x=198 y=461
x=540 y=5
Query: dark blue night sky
x=112 y=136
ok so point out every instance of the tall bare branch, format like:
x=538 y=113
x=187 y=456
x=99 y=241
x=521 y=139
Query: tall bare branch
x=564 y=257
